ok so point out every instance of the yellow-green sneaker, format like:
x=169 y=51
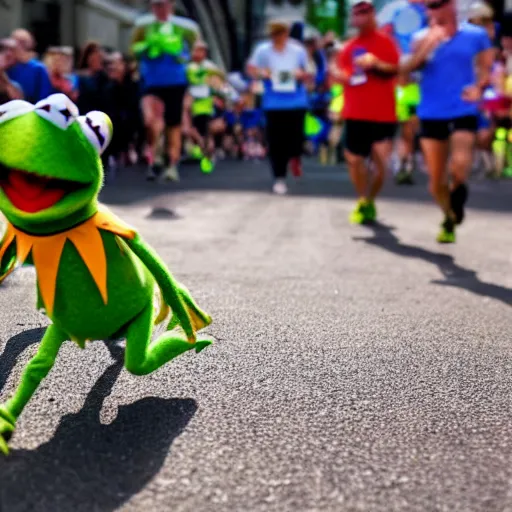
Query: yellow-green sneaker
x=358 y=215
x=447 y=233
x=370 y=212
x=206 y=165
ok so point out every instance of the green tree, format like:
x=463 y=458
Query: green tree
x=327 y=15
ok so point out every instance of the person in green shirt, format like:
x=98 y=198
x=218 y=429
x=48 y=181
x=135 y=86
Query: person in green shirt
x=200 y=73
x=161 y=43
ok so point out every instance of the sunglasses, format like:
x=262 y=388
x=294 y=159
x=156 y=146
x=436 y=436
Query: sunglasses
x=436 y=4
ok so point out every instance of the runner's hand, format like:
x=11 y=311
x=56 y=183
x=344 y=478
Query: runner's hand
x=366 y=61
x=265 y=73
x=472 y=93
x=435 y=36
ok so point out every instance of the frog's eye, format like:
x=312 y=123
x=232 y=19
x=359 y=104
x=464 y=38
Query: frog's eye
x=97 y=127
x=58 y=109
x=14 y=108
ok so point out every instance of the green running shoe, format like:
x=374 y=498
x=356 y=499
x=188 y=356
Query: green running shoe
x=206 y=165
x=370 y=212
x=507 y=172
x=447 y=233
x=197 y=153
x=359 y=213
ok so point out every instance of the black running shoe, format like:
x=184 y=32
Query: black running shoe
x=458 y=199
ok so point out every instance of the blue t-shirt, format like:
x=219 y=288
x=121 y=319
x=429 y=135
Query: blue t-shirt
x=163 y=71
x=282 y=91
x=450 y=69
x=33 y=79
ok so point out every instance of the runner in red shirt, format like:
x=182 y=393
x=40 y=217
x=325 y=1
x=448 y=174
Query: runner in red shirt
x=367 y=67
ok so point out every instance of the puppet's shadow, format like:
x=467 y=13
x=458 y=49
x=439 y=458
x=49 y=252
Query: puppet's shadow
x=89 y=466
x=453 y=275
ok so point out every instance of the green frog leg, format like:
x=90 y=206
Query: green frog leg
x=36 y=370
x=143 y=356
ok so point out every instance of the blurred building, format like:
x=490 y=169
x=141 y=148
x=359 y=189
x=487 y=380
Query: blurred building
x=72 y=22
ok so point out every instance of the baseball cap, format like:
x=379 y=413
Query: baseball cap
x=480 y=10
x=353 y=3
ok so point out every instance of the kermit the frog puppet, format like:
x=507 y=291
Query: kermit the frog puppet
x=96 y=277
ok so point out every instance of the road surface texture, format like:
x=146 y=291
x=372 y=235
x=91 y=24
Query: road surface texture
x=355 y=368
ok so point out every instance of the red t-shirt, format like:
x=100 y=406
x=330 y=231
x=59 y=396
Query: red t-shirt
x=368 y=96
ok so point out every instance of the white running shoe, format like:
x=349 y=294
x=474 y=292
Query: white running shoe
x=171 y=173
x=280 y=188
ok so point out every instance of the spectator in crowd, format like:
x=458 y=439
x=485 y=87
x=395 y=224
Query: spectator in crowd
x=59 y=62
x=9 y=90
x=92 y=78
x=27 y=71
x=122 y=105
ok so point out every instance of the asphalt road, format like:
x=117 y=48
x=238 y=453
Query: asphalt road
x=355 y=368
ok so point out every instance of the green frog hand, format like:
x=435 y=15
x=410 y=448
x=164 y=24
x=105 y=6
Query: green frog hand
x=7 y=258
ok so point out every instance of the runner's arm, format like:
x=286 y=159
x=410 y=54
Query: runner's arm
x=422 y=48
x=484 y=63
x=255 y=67
x=139 y=34
x=338 y=68
x=484 y=60
x=388 y=65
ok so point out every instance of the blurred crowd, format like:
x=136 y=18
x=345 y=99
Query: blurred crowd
x=98 y=78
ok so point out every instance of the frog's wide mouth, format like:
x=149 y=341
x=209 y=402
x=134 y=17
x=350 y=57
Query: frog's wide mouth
x=31 y=193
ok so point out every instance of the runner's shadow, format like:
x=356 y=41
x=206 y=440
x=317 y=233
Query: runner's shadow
x=90 y=466
x=454 y=275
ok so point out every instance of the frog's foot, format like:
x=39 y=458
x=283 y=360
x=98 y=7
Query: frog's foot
x=143 y=356
x=7 y=427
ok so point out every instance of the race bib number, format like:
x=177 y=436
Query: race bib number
x=283 y=81
x=358 y=76
x=200 y=92
x=358 y=79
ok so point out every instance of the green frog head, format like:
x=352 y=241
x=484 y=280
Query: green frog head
x=50 y=165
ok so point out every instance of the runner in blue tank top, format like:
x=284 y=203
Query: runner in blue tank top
x=455 y=62
x=162 y=43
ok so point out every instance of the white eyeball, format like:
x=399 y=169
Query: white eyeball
x=14 y=108
x=58 y=109
x=97 y=127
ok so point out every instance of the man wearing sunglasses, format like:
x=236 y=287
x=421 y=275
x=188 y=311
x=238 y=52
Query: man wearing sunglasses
x=367 y=67
x=455 y=62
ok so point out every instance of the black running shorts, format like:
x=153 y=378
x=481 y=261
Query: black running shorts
x=442 y=129
x=172 y=97
x=360 y=136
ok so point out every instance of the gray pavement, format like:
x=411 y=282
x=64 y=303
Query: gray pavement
x=355 y=368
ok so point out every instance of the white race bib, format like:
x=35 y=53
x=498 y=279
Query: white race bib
x=200 y=92
x=358 y=79
x=283 y=81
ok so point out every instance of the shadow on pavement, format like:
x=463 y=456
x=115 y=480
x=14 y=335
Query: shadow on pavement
x=454 y=275
x=88 y=466
x=14 y=348
x=318 y=181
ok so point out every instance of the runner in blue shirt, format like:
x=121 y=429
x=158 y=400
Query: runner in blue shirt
x=162 y=43
x=455 y=62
